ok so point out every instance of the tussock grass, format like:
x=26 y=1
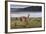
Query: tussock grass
x=29 y=23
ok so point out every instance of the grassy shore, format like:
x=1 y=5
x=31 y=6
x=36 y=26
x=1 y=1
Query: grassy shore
x=29 y=23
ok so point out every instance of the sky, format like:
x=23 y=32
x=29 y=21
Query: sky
x=18 y=6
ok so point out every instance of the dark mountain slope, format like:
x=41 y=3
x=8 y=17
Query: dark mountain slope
x=27 y=9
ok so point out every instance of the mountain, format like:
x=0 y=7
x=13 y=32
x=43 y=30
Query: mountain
x=33 y=8
x=27 y=9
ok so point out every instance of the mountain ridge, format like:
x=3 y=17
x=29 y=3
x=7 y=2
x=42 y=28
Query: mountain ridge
x=27 y=9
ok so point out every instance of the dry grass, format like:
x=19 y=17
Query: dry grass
x=29 y=23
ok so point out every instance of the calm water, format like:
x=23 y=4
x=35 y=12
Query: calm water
x=32 y=14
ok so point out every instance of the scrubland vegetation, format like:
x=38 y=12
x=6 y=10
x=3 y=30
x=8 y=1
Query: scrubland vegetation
x=18 y=22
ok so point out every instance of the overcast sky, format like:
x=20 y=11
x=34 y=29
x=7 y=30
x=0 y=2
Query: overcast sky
x=18 y=6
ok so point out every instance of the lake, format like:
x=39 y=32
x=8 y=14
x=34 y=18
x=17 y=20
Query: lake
x=32 y=14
